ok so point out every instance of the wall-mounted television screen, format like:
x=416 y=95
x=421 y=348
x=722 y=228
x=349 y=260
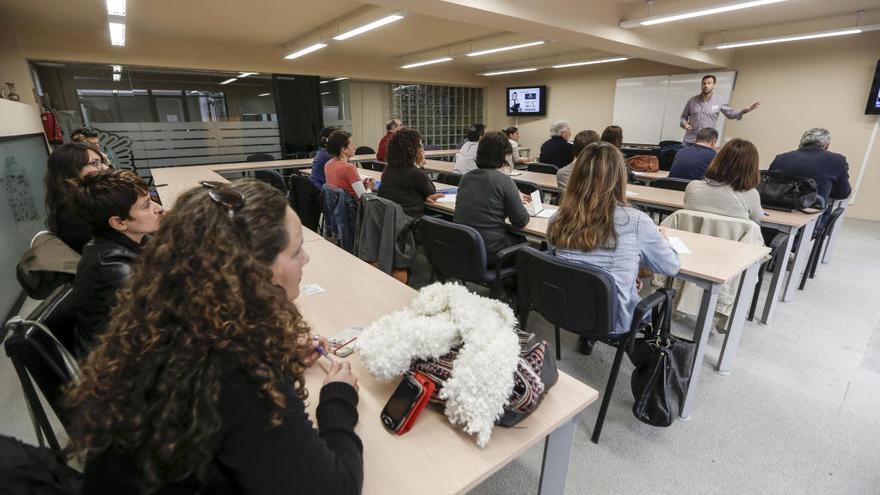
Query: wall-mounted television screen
x=527 y=101
x=873 y=106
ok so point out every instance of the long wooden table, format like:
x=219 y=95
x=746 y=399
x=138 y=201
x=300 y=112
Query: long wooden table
x=713 y=263
x=301 y=162
x=434 y=454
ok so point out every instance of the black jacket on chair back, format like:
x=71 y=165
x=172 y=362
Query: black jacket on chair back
x=105 y=267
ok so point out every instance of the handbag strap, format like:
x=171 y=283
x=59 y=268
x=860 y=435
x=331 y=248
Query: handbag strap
x=665 y=330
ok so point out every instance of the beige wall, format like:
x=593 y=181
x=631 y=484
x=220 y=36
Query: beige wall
x=13 y=66
x=822 y=83
x=370 y=109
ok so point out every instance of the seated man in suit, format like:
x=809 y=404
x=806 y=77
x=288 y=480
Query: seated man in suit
x=557 y=150
x=691 y=162
x=117 y=204
x=813 y=160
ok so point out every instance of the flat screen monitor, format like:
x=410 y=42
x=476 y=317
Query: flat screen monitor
x=873 y=106
x=527 y=101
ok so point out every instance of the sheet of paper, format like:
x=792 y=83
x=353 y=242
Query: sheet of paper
x=449 y=198
x=546 y=213
x=679 y=246
x=312 y=289
x=630 y=193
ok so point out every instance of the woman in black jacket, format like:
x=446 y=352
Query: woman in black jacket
x=403 y=180
x=70 y=161
x=197 y=385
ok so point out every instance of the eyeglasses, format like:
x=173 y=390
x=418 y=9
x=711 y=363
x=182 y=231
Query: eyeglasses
x=224 y=195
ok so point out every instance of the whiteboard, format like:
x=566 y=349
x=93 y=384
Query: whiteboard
x=649 y=108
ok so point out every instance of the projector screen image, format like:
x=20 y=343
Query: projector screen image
x=873 y=106
x=527 y=101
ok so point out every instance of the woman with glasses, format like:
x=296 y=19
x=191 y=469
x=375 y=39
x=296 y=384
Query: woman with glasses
x=197 y=385
x=66 y=164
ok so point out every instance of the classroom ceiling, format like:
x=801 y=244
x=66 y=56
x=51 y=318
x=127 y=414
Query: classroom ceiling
x=575 y=30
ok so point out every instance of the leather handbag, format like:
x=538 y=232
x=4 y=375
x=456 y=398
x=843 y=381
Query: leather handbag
x=663 y=369
x=535 y=374
x=788 y=192
x=643 y=163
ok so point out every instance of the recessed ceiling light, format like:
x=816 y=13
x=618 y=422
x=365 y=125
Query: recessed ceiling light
x=690 y=14
x=368 y=27
x=511 y=71
x=246 y=74
x=426 y=62
x=116 y=7
x=305 y=51
x=590 y=62
x=229 y=80
x=117 y=34
x=505 y=48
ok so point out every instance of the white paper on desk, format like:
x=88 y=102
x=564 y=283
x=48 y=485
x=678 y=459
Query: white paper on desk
x=546 y=213
x=312 y=289
x=630 y=193
x=638 y=173
x=679 y=246
x=449 y=198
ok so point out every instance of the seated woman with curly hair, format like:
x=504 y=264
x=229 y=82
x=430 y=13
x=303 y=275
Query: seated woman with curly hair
x=197 y=385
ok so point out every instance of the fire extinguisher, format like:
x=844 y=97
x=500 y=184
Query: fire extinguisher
x=52 y=129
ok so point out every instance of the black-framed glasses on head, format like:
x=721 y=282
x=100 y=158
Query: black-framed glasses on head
x=224 y=195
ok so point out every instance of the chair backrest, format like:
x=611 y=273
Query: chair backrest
x=527 y=187
x=364 y=150
x=431 y=147
x=305 y=200
x=340 y=211
x=664 y=144
x=666 y=157
x=260 y=157
x=832 y=220
x=543 y=168
x=273 y=178
x=454 y=250
x=313 y=153
x=574 y=296
x=449 y=178
x=673 y=183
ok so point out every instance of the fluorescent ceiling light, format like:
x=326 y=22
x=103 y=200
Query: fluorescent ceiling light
x=264 y=94
x=116 y=7
x=117 y=69
x=426 y=62
x=117 y=34
x=511 y=71
x=245 y=74
x=229 y=80
x=325 y=93
x=368 y=27
x=690 y=14
x=334 y=80
x=505 y=48
x=305 y=51
x=117 y=77
x=590 y=62
x=794 y=37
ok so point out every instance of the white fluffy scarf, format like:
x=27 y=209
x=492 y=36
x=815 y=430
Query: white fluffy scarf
x=439 y=318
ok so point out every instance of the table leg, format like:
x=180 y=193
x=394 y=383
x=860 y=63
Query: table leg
x=705 y=320
x=800 y=261
x=557 y=453
x=741 y=306
x=773 y=292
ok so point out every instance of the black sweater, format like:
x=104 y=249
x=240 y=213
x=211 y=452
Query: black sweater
x=253 y=457
x=408 y=187
x=486 y=197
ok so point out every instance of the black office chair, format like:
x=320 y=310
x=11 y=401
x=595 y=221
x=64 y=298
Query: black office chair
x=364 y=150
x=664 y=144
x=777 y=250
x=260 y=157
x=313 y=153
x=274 y=179
x=431 y=147
x=673 y=183
x=40 y=359
x=457 y=251
x=665 y=158
x=543 y=168
x=305 y=199
x=449 y=178
x=819 y=243
x=581 y=299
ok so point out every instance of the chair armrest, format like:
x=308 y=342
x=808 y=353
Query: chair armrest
x=504 y=255
x=648 y=304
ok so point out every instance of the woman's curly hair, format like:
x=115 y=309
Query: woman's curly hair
x=200 y=303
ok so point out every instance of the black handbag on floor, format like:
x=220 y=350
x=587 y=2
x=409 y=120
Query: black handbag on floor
x=788 y=192
x=663 y=368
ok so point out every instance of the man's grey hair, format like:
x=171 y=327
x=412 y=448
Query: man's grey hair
x=391 y=124
x=558 y=127
x=816 y=138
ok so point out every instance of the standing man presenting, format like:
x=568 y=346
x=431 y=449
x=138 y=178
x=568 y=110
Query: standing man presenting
x=391 y=127
x=702 y=110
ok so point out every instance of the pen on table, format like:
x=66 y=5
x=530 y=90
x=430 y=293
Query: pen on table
x=160 y=185
x=321 y=352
